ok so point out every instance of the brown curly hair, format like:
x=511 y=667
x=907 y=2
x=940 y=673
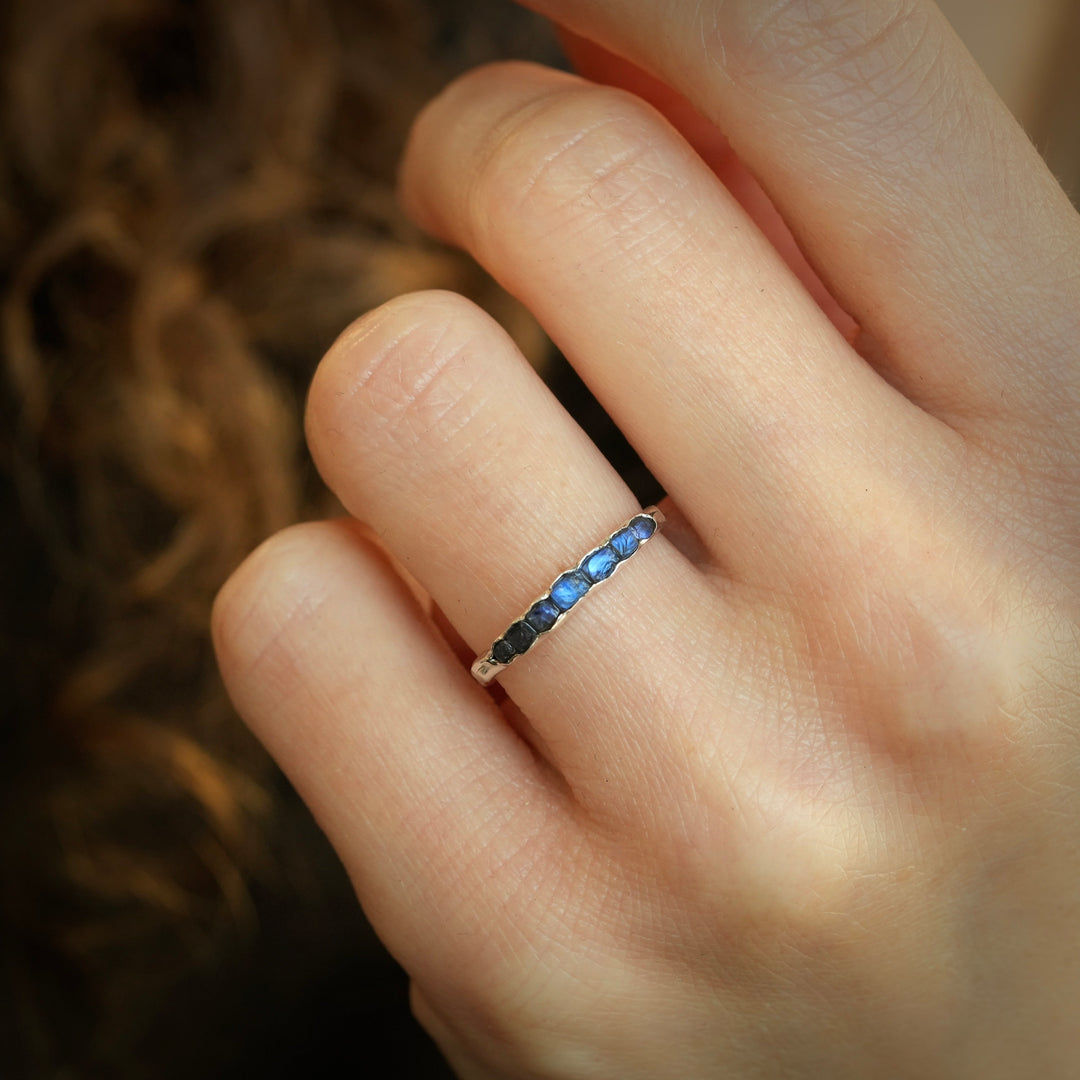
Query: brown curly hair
x=195 y=198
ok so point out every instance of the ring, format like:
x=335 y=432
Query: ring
x=568 y=588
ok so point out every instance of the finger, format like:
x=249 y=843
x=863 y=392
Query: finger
x=600 y=66
x=433 y=804
x=917 y=197
x=428 y=424
x=755 y=415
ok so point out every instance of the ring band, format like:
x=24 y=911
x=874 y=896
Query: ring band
x=568 y=588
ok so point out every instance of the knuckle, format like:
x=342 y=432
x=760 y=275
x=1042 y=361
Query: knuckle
x=562 y=161
x=826 y=28
x=830 y=47
x=788 y=872
x=407 y=374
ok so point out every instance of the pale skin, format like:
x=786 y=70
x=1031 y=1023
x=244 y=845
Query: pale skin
x=797 y=792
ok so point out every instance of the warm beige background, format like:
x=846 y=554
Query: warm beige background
x=1030 y=50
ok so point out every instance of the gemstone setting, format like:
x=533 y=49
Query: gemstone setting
x=520 y=636
x=502 y=652
x=568 y=588
x=543 y=615
x=624 y=543
x=600 y=564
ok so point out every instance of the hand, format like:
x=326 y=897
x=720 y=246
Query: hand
x=797 y=792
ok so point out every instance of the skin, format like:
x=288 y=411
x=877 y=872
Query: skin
x=796 y=793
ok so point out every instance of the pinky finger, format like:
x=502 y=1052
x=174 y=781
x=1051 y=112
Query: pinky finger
x=432 y=802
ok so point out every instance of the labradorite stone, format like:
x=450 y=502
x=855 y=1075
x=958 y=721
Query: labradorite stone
x=502 y=651
x=520 y=636
x=599 y=564
x=569 y=589
x=542 y=615
x=643 y=526
x=624 y=543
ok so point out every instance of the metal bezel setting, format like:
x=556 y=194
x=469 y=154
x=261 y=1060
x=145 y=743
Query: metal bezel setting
x=486 y=668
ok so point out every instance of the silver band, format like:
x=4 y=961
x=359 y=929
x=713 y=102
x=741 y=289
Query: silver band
x=566 y=590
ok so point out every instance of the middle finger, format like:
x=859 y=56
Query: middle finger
x=747 y=404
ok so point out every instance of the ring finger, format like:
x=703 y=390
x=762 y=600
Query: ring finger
x=430 y=426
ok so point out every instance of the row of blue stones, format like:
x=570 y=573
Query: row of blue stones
x=570 y=587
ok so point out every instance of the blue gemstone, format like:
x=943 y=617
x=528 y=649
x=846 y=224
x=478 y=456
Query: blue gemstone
x=520 y=636
x=502 y=651
x=624 y=543
x=643 y=526
x=542 y=615
x=599 y=564
x=569 y=589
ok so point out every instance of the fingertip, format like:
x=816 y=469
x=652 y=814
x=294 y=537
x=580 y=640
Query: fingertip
x=279 y=585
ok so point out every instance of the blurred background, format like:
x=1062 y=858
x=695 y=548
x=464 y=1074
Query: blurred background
x=196 y=197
